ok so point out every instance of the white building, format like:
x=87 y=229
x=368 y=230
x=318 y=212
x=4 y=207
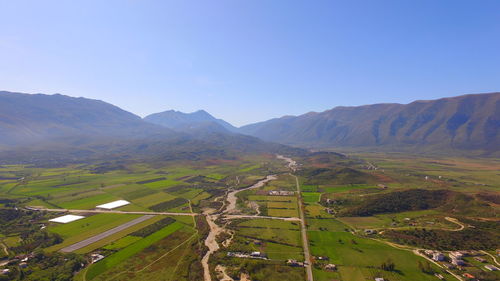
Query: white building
x=66 y=218
x=113 y=205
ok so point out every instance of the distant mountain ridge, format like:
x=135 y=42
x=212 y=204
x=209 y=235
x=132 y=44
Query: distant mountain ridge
x=31 y=118
x=38 y=128
x=469 y=122
x=465 y=122
x=195 y=121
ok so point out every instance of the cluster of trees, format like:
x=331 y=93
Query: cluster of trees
x=35 y=239
x=426 y=267
x=475 y=239
x=47 y=267
x=400 y=201
x=152 y=228
x=25 y=223
x=388 y=265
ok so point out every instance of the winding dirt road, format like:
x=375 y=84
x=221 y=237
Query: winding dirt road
x=455 y=221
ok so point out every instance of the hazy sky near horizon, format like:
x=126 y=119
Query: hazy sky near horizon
x=250 y=60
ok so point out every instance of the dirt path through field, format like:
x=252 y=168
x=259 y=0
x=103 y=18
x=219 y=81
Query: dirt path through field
x=455 y=221
x=222 y=272
x=5 y=249
x=492 y=256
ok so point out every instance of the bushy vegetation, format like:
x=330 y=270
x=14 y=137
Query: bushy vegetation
x=400 y=201
x=32 y=240
x=26 y=224
x=152 y=228
x=340 y=175
x=47 y=267
x=447 y=240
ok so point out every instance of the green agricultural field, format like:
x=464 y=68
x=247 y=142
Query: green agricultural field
x=88 y=202
x=365 y=222
x=82 y=229
x=269 y=223
x=272 y=198
x=285 y=213
x=290 y=236
x=153 y=199
x=118 y=235
x=201 y=196
x=162 y=184
x=309 y=188
x=122 y=243
x=169 y=259
x=358 y=259
x=326 y=224
x=316 y=211
x=282 y=205
x=310 y=197
x=282 y=252
x=129 y=251
x=248 y=168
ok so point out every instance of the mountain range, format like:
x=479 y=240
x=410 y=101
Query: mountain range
x=468 y=122
x=38 y=127
x=190 y=122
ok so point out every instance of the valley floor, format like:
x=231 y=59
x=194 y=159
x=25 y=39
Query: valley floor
x=321 y=217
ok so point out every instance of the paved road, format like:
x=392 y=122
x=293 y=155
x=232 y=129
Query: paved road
x=305 y=242
x=104 y=234
x=112 y=212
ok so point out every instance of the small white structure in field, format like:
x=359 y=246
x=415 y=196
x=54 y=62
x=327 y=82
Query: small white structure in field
x=113 y=205
x=66 y=218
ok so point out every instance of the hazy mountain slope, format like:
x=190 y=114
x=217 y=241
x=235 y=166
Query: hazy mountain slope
x=199 y=120
x=59 y=129
x=28 y=119
x=463 y=122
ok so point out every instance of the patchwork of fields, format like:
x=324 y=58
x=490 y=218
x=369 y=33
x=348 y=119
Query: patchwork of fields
x=162 y=247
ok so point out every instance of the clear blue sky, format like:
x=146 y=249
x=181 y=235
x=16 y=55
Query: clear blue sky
x=250 y=60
